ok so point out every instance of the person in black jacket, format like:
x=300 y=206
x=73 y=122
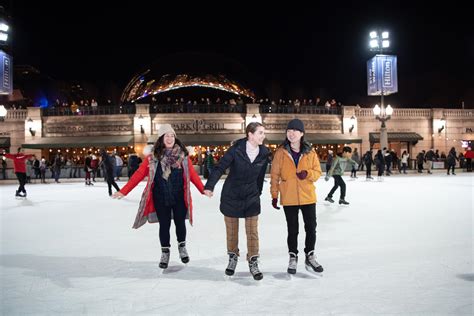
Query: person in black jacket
x=380 y=163
x=247 y=159
x=368 y=161
x=109 y=171
x=88 y=168
x=451 y=160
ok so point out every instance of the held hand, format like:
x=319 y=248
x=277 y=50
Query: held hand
x=208 y=193
x=117 y=195
x=275 y=204
x=326 y=178
x=302 y=174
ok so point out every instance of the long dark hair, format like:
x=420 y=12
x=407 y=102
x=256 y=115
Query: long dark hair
x=159 y=147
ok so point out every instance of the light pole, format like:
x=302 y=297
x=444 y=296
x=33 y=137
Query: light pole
x=379 y=41
x=383 y=114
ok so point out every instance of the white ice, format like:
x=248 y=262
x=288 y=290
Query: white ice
x=402 y=247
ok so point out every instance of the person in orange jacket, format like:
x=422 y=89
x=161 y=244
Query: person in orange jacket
x=19 y=166
x=295 y=168
x=167 y=194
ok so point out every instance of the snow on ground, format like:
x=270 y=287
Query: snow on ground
x=403 y=247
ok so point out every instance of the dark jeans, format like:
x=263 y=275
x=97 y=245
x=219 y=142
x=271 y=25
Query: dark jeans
x=451 y=167
x=469 y=164
x=338 y=182
x=178 y=213
x=380 y=169
x=309 y=217
x=404 y=168
x=110 y=183
x=369 y=170
x=21 y=176
x=353 y=172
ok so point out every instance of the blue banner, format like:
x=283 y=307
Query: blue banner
x=6 y=73
x=382 y=75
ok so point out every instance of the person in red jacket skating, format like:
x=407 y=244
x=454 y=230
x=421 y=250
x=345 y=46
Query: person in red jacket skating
x=19 y=166
x=167 y=194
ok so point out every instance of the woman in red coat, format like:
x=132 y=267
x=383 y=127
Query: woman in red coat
x=167 y=194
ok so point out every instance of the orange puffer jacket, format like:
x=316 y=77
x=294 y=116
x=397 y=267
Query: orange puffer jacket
x=294 y=191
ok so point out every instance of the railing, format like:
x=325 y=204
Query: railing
x=197 y=108
x=19 y=115
x=307 y=109
x=368 y=112
x=89 y=110
x=459 y=113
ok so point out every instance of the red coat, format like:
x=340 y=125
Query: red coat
x=146 y=211
x=19 y=164
x=469 y=154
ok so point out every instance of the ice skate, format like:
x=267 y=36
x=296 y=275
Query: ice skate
x=165 y=257
x=292 y=264
x=233 y=258
x=183 y=253
x=254 y=270
x=311 y=264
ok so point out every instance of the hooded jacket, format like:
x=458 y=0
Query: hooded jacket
x=284 y=181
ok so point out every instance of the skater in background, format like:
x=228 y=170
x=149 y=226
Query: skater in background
x=368 y=161
x=4 y=167
x=295 y=168
x=420 y=159
x=247 y=160
x=43 y=167
x=451 y=160
x=380 y=164
x=88 y=168
x=167 y=194
x=107 y=164
x=19 y=166
x=355 y=157
x=337 y=170
x=404 y=161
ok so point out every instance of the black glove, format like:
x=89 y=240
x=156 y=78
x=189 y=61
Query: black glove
x=302 y=174
x=274 y=204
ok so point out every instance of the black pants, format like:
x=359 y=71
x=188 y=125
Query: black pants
x=469 y=164
x=21 y=176
x=353 y=172
x=309 y=217
x=338 y=182
x=369 y=170
x=164 y=213
x=451 y=167
x=380 y=169
x=110 y=183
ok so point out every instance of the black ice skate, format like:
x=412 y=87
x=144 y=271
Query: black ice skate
x=165 y=257
x=183 y=253
x=233 y=258
x=342 y=201
x=312 y=264
x=329 y=199
x=254 y=270
x=292 y=263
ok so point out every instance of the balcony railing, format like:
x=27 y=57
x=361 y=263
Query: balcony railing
x=197 y=108
x=16 y=115
x=307 y=109
x=88 y=110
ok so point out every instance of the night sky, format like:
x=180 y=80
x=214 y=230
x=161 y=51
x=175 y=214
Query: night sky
x=302 y=51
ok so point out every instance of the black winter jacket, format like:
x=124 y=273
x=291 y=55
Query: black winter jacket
x=240 y=195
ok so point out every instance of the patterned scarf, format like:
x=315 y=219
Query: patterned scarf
x=172 y=158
